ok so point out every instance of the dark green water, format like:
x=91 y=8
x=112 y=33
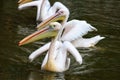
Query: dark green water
x=100 y=63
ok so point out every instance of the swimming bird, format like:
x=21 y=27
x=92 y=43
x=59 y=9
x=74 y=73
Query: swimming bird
x=73 y=31
x=44 y=9
x=56 y=59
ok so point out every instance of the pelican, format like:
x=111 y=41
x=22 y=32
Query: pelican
x=44 y=9
x=73 y=31
x=56 y=59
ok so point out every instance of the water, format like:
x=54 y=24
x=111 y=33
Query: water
x=100 y=62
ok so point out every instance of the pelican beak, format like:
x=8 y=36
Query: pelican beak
x=20 y=2
x=44 y=30
x=40 y=34
x=58 y=17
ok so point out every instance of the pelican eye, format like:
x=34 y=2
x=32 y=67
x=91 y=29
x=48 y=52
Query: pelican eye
x=52 y=26
x=60 y=21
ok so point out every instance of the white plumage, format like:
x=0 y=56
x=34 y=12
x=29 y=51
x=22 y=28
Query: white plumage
x=44 y=9
x=75 y=29
x=87 y=42
x=56 y=59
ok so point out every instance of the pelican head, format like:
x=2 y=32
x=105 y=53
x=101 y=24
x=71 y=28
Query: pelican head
x=61 y=16
x=20 y=2
x=48 y=28
x=49 y=31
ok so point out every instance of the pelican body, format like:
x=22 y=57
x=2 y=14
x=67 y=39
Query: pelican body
x=56 y=59
x=44 y=9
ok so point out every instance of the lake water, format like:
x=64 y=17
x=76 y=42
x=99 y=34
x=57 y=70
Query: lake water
x=99 y=63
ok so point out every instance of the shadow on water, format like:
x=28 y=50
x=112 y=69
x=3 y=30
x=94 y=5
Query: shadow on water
x=99 y=63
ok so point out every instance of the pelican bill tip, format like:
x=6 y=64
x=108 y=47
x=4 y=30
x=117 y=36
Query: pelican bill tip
x=20 y=44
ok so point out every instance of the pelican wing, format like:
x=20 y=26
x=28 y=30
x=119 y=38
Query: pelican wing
x=87 y=42
x=45 y=9
x=38 y=4
x=75 y=29
x=39 y=51
x=29 y=4
x=73 y=51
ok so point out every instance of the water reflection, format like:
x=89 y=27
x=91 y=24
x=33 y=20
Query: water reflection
x=46 y=76
x=24 y=30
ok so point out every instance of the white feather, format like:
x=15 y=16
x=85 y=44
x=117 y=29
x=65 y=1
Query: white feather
x=75 y=29
x=87 y=42
x=73 y=51
x=38 y=4
x=39 y=51
x=44 y=9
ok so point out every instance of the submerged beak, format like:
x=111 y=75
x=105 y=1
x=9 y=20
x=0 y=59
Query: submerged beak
x=58 y=17
x=40 y=34
x=20 y=2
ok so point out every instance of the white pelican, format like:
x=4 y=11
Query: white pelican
x=44 y=9
x=73 y=32
x=56 y=59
